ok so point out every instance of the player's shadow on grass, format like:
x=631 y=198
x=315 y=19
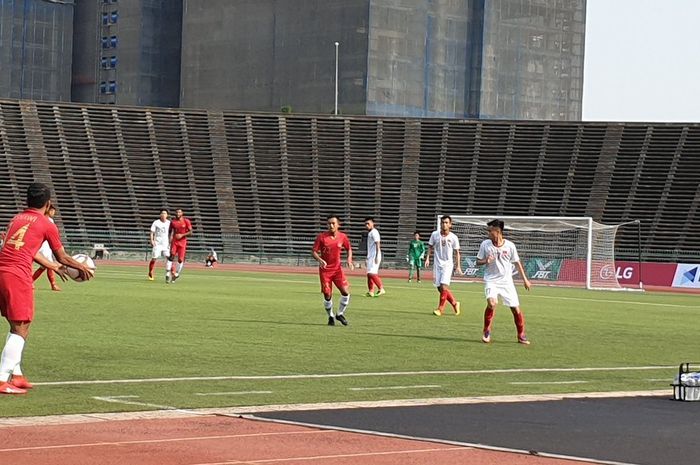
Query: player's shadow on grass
x=268 y=322
x=418 y=336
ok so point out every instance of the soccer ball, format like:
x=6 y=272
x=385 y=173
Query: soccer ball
x=82 y=258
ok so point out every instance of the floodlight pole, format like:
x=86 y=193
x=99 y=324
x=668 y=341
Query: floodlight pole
x=335 y=111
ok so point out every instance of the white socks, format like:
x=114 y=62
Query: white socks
x=168 y=267
x=11 y=356
x=179 y=267
x=328 y=305
x=344 y=302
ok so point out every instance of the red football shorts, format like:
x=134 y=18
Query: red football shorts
x=178 y=249
x=328 y=278
x=16 y=298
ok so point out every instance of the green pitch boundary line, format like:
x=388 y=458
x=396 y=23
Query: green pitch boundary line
x=154 y=412
x=349 y=375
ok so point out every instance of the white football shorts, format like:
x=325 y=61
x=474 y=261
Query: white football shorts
x=46 y=251
x=160 y=250
x=442 y=274
x=373 y=268
x=507 y=292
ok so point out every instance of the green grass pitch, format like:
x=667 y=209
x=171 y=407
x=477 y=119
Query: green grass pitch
x=264 y=334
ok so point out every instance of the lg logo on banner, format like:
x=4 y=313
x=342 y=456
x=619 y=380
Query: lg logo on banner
x=609 y=272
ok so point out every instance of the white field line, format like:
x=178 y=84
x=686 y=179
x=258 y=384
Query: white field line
x=232 y=393
x=547 y=382
x=352 y=375
x=381 y=388
x=157 y=441
x=339 y=456
x=530 y=295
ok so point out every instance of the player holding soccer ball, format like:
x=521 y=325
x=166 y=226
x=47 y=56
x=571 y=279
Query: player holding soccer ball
x=326 y=250
x=499 y=255
x=26 y=232
x=180 y=230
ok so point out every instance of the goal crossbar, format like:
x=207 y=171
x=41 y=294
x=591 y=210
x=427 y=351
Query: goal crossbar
x=557 y=250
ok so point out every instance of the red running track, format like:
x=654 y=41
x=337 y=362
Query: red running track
x=219 y=440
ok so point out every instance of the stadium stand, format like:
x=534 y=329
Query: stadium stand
x=258 y=186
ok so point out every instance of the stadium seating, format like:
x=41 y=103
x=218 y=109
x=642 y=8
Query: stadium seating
x=260 y=185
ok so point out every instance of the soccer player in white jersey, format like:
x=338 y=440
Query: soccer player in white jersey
x=499 y=255
x=442 y=247
x=160 y=241
x=374 y=258
x=47 y=253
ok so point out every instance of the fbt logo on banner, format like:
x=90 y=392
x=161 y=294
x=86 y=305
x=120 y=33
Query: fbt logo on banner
x=687 y=276
x=471 y=269
x=542 y=268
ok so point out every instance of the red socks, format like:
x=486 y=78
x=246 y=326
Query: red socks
x=488 y=317
x=151 y=267
x=37 y=273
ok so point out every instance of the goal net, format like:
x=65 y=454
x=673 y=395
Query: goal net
x=566 y=251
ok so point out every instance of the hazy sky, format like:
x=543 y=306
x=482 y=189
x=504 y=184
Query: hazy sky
x=642 y=60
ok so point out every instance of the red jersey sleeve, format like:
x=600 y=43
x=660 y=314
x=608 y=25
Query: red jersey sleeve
x=346 y=243
x=189 y=224
x=317 y=244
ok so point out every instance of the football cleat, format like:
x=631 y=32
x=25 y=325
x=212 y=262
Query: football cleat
x=486 y=337
x=150 y=277
x=523 y=340
x=175 y=276
x=167 y=279
x=457 y=308
x=342 y=319
x=7 y=388
x=21 y=382
x=380 y=292
x=54 y=287
x=331 y=321
x=369 y=294
x=437 y=312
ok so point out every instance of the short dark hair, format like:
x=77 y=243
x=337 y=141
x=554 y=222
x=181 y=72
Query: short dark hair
x=369 y=218
x=446 y=217
x=37 y=195
x=51 y=207
x=333 y=215
x=416 y=232
x=164 y=210
x=496 y=224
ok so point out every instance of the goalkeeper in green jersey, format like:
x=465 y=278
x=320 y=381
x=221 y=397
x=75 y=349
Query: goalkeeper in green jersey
x=416 y=254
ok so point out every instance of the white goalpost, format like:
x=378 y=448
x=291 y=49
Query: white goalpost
x=564 y=251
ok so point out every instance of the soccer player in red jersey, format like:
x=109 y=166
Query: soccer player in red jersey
x=180 y=230
x=326 y=250
x=26 y=232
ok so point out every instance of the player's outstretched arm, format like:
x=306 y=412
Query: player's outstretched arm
x=49 y=265
x=85 y=272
